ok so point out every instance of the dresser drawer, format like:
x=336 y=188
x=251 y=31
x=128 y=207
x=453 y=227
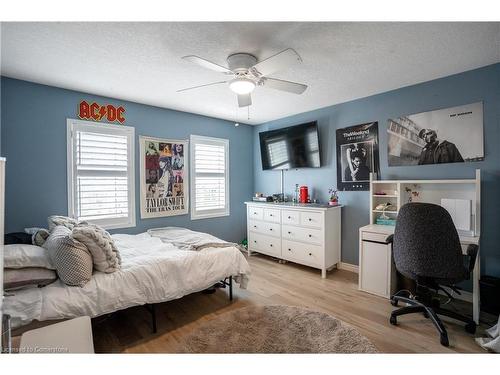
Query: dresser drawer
x=272 y=215
x=309 y=235
x=255 y=213
x=311 y=219
x=302 y=253
x=290 y=217
x=264 y=244
x=270 y=229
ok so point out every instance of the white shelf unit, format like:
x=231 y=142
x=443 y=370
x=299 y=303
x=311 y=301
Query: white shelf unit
x=430 y=191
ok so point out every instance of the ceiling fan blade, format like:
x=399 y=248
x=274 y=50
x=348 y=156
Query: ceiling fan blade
x=244 y=100
x=278 y=84
x=280 y=61
x=197 y=87
x=207 y=64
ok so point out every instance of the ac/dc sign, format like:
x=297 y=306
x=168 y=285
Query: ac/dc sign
x=97 y=112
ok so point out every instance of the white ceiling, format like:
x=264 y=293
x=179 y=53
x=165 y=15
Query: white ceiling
x=141 y=62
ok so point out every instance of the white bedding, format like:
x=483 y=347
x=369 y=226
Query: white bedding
x=152 y=271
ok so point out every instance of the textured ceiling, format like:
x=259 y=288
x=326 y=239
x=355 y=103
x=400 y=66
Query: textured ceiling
x=141 y=62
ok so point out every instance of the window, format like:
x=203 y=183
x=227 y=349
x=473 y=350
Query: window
x=210 y=177
x=101 y=173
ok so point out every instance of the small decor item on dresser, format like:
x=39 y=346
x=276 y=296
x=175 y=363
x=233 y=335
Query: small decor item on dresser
x=334 y=199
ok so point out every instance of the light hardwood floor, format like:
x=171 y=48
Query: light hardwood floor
x=129 y=331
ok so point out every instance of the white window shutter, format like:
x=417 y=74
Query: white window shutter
x=210 y=177
x=101 y=173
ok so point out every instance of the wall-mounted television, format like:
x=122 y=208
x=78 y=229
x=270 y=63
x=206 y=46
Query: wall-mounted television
x=291 y=147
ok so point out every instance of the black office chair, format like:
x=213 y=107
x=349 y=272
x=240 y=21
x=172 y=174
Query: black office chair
x=426 y=248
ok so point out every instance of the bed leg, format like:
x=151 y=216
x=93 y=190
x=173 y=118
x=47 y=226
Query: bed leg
x=153 y=317
x=230 y=288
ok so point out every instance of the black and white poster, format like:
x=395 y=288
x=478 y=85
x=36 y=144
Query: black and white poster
x=357 y=156
x=164 y=182
x=450 y=135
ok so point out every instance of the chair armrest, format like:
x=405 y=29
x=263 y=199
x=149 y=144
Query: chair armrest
x=390 y=238
x=472 y=251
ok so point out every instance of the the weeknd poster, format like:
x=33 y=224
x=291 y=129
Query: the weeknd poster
x=357 y=156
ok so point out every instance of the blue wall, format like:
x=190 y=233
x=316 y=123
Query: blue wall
x=477 y=85
x=34 y=143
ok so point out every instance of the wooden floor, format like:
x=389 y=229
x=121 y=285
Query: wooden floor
x=129 y=331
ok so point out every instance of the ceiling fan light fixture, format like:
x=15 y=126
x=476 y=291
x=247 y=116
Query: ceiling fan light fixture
x=242 y=86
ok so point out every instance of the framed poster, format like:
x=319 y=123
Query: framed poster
x=164 y=178
x=357 y=156
x=450 y=135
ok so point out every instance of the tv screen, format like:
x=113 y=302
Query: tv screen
x=291 y=147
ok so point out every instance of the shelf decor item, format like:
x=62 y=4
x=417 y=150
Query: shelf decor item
x=413 y=194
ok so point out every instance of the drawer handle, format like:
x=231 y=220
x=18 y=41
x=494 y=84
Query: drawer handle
x=289 y=217
x=255 y=213
x=289 y=232
x=271 y=245
x=255 y=226
x=270 y=229
x=310 y=219
x=255 y=241
x=289 y=249
x=310 y=254
x=270 y=214
x=310 y=235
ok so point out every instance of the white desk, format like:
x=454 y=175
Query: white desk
x=381 y=265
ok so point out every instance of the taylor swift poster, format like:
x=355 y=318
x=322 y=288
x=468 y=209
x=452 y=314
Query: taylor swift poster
x=164 y=188
x=357 y=156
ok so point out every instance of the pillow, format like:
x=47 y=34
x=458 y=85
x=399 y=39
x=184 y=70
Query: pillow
x=105 y=255
x=23 y=277
x=22 y=256
x=71 y=258
x=38 y=235
x=65 y=221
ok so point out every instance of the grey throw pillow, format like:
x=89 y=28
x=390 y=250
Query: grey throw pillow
x=71 y=258
x=65 y=221
x=105 y=255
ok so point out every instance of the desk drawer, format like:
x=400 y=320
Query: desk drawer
x=290 y=217
x=272 y=215
x=375 y=237
x=311 y=219
x=255 y=213
x=308 y=235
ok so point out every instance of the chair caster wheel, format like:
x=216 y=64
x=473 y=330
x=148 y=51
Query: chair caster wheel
x=470 y=328
x=394 y=302
x=444 y=340
x=393 y=320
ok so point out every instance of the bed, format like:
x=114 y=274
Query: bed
x=154 y=269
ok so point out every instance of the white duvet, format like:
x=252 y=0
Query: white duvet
x=152 y=271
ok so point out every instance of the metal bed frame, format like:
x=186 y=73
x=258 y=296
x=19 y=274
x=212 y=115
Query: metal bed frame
x=228 y=281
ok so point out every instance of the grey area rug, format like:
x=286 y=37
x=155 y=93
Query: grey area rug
x=276 y=329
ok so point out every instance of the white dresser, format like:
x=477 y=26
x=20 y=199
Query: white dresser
x=308 y=234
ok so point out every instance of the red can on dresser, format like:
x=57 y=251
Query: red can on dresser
x=304 y=193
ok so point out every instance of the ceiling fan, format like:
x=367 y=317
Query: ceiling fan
x=248 y=73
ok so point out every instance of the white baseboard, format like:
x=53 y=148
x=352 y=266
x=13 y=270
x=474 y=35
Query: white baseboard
x=348 y=267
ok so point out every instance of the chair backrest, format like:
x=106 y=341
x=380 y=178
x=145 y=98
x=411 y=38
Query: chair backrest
x=426 y=244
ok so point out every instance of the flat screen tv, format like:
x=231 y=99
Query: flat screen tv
x=292 y=147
